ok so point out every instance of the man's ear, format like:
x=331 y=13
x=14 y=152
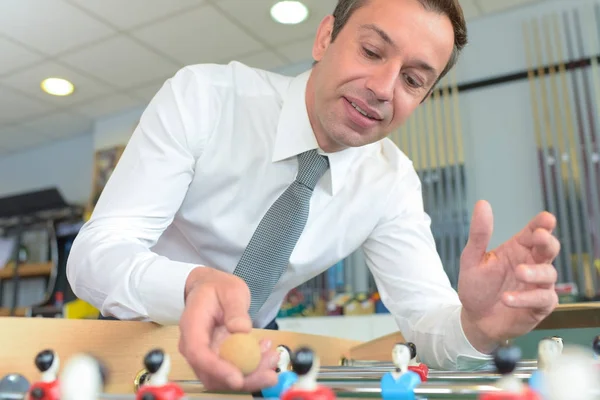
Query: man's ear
x=323 y=38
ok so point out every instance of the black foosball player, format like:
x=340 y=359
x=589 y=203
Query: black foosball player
x=506 y=358
x=306 y=365
x=158 y=387
x=47 y=388
x=414 y=365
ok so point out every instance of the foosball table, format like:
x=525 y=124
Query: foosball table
x=129 y=360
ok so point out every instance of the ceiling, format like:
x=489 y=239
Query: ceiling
x=119 y=52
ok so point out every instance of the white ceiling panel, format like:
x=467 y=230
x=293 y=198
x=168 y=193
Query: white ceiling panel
x=201 y=35
x=492 y=6
x=147 y=91
x=121 y=62
x=15 y=56
x=59 y=125
x=28 y=81
x=267 y=60
x=50 y=26
x=255 y=16
x=130 y=13
x=298 y=51
x=15 y=106
x=107 y=105
x=471 y=8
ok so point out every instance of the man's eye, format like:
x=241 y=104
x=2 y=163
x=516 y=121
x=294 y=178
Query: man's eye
x=370 y=53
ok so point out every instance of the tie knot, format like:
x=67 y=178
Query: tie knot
x=311 y=167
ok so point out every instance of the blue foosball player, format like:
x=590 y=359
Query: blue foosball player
x=400 y=384
x=285 y=377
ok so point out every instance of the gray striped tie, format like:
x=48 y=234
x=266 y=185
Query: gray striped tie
x=267 y=255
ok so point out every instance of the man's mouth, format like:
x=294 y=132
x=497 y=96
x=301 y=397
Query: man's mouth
x=363 y=111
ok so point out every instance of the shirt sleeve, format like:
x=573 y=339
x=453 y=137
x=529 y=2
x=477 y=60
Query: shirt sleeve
x=413 y=285
x=111 y=265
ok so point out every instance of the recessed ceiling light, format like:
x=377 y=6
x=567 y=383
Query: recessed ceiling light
x=289 y=12
x=57 y=86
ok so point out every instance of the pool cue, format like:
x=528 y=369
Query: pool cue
x=595 y=16
x=551 y=155
x=595 y=168
x=573 y=164
x=415 y=150
x=563 y=177
x=577 y=163
x=435 y=171
x=462 y=211
x=546 y=136
x=543 y=166
x=583 y=145
x=427 y=161
x=453 y=235
x=440 y=173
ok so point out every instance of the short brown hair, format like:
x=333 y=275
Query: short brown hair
x=451 y=8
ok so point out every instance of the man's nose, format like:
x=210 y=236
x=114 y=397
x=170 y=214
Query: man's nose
x=383 y=82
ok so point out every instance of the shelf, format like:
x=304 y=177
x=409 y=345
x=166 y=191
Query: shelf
x=19 y=311
x=30 y=270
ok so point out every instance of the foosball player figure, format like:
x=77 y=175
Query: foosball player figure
x=414 y=365
x=596 y=347
x=549 y=349
x=83 y=378
x=400 y=383
x=559 y=342
x=47 y=388
x=510 y=387
x=285 y=377
x=306 y=365
x=158 y=387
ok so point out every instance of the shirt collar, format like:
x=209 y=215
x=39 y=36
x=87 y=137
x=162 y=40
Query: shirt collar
x=295 y=135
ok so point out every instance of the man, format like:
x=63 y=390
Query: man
x=205 y=222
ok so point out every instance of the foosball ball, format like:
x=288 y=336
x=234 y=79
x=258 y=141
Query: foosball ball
x=78 y=361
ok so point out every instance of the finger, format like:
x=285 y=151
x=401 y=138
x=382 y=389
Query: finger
x=480 y=233
x=541 y=300
x=545 y=246
x=537 y=274
x=264 y=375
x=197 y=325
x=544 y=221
x=235 y=303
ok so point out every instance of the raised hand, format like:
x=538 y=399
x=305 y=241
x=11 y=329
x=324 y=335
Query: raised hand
x=507 y=291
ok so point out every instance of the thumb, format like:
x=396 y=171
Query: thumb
x=480 y=233
x=235 y=302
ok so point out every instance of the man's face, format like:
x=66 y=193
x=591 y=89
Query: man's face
x=383 y=63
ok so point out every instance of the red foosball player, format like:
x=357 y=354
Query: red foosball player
x=306 y=366
x=158 y=387
x=47 y=388
x=511 y=388
x=419 y=368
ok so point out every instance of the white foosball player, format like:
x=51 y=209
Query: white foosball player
x=83 y=378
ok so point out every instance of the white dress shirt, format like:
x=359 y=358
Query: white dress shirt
x=213 y=150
